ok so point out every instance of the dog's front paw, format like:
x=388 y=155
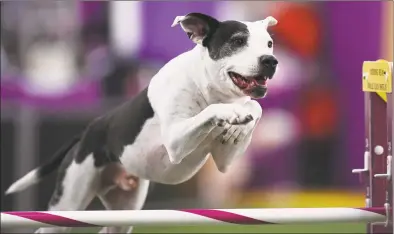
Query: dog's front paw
x=241 y=119
x=232 y=134
x=231 y=114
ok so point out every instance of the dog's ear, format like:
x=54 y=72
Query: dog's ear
x=198 y=27
x=269 y=21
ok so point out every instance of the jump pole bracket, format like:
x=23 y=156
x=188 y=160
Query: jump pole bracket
x=377 y=174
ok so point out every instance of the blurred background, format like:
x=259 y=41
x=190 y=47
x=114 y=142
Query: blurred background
x=64 y=63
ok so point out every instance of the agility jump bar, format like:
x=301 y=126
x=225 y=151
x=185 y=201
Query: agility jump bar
x=37 y=219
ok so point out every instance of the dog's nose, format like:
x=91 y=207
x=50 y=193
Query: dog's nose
x=268 y=61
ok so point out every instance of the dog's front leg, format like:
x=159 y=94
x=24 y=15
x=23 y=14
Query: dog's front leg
x=235 y=139
x=183 y=136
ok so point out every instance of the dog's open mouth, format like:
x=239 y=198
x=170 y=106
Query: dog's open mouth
x=248 y=82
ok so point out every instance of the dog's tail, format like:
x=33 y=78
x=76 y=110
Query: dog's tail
x=42 y=171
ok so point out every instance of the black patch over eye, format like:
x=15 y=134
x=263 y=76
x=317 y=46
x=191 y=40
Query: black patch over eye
x=239 y=41
x=223 y=42
x=270 y=44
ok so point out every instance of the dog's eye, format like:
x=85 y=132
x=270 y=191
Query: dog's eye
x=239 y=41
x=270 y=44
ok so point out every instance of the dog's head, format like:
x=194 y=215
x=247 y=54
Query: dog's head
x=240 y=54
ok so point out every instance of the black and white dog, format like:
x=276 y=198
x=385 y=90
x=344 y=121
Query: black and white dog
x=197 y=106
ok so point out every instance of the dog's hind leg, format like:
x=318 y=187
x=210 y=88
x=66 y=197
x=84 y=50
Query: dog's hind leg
x=77 y=186
x=118 y=199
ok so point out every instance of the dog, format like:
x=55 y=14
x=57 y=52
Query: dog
x=199 y=105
